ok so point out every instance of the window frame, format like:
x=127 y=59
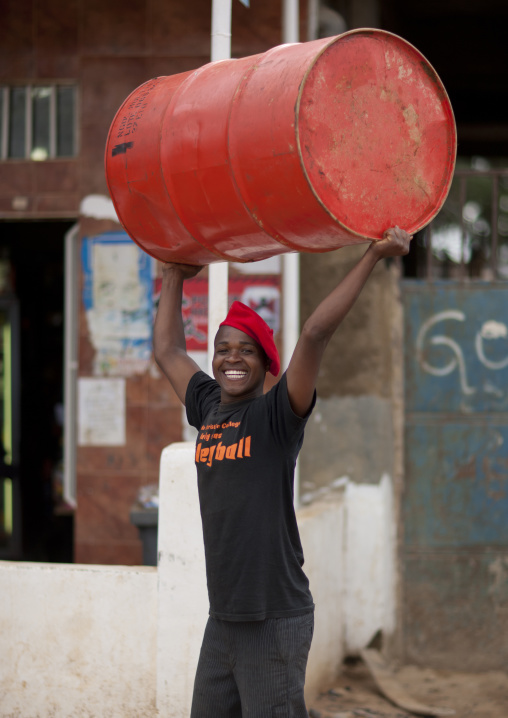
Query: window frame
x=53 y=86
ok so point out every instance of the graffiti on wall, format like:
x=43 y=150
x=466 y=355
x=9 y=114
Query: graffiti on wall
x=486 y=346
x=460 y=357
x=456 y=416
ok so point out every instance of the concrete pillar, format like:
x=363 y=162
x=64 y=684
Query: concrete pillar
x=183 y=598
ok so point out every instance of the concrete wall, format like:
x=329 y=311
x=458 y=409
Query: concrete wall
x=357 y=427
x=352 y=430
x=77 y=641
x=93 y=641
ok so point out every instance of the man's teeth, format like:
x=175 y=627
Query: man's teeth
x=235 y=374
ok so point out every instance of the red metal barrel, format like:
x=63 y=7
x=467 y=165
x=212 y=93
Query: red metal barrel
x=307 y=147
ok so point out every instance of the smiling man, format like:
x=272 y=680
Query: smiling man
x=256 y=643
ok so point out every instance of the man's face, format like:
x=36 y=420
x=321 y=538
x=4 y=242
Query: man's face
x=239 y=365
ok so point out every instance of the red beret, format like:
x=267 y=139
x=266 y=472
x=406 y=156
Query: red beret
x=242 y=317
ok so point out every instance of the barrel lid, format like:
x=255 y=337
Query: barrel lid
x=376 y=131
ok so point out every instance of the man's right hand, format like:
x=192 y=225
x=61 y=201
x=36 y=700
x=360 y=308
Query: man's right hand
x=169 y=344
x=186 y=270
x=395 y=243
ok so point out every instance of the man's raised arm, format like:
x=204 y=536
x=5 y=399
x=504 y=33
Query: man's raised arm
x=317 y=331
x=168 y=335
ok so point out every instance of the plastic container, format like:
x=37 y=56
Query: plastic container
x=307 y=147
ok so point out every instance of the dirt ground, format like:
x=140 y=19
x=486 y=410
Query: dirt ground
x=355 y=694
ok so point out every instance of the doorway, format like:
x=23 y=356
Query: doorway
x=33 y=268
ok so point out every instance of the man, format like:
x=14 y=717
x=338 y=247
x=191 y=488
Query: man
x=254 y=653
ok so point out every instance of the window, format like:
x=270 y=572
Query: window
x=468 y=239
x=37 y=122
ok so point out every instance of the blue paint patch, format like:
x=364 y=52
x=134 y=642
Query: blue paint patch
x=456 y=348
x=457 y=489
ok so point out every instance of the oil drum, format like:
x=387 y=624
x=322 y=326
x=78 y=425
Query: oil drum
x=307 y=147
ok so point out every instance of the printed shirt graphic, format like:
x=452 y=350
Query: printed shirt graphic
x=245 y=457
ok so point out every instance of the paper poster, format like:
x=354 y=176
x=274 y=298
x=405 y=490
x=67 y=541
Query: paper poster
x=261 y=293
x=101 y=412
x=118 y=300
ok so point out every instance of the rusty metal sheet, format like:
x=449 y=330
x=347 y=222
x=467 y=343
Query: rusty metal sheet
x=456 y=415
x=457 y=483
x=455 y=504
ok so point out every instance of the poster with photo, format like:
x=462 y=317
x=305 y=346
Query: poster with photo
x=260 y=292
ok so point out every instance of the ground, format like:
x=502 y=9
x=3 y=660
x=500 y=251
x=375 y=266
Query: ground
x=355 y=694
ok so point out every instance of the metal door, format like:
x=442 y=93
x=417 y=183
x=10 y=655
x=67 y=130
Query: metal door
x=455 y=505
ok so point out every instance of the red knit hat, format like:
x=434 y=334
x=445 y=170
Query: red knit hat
x=242 y=317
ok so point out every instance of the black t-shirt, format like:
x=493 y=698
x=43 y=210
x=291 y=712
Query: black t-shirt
x=245 y=456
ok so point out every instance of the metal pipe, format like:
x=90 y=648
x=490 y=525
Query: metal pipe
x=463 y=197
x=291 y=262
x=218 y=273
x=312 y=19
x=428 y=246
x=494 y=230
x=221 y=30
x=290 y=21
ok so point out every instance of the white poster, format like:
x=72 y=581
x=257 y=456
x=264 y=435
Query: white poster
x=101 y=412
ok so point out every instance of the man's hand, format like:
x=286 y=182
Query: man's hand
x=187 y=271
x=170 y=350
x=395 y=243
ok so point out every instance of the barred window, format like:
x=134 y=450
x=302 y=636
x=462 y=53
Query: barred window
x=37 y=122
x=468 y=238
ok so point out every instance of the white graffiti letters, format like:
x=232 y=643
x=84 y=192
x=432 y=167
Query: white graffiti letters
x=458 y=359
x=490 y=330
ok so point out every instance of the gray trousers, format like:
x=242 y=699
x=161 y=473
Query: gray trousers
x=253 y=669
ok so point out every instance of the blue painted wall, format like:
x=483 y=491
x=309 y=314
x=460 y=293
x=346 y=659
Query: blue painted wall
x=455 y=504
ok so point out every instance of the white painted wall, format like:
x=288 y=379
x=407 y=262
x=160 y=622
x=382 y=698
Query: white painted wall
x=321 y=528
x=116 y=641
x=370 y=579
x=77 y=641
x=183 y=599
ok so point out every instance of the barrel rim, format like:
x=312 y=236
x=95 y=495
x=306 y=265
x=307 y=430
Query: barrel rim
x=445 y=100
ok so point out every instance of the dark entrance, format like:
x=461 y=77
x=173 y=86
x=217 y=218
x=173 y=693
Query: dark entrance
x=33 y=261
